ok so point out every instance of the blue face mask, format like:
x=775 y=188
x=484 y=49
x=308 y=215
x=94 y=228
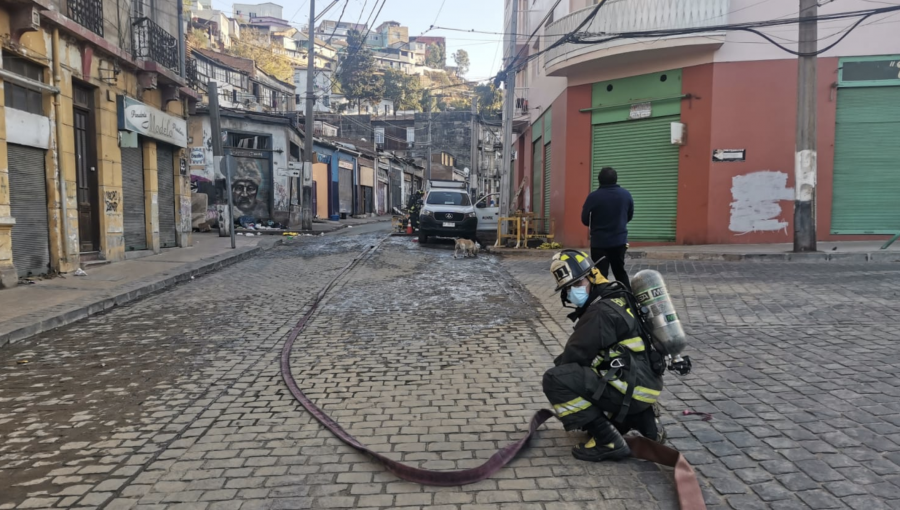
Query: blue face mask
x=578 y=296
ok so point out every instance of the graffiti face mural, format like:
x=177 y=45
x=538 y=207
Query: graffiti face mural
x=244 y=194
x=250 y=188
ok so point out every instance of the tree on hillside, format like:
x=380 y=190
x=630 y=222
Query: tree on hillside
x=257 y=46
x=461 y=57
x=435 y=56
x=490 y=99
x=356 y=74
x=403 y=89
x=197 y=38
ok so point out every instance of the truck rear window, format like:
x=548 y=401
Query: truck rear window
x=447 y=198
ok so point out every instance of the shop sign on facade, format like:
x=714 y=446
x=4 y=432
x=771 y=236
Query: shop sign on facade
x=146 y=120
x=640 y=111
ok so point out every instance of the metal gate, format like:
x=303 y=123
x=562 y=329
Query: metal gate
x=165 y=171
x=28 y=205
x=345 y=191
x=537 y=168
x=368 y=199
x=867 y=161
x=396 y=199
x=547 y=160
x=647 y=163
x=133 y=199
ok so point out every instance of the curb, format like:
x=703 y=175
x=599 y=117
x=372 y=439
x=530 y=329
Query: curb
x=885 y=256
x=141 y=289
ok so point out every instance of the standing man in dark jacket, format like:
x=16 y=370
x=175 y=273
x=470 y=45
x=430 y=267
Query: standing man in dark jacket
x=607 y=212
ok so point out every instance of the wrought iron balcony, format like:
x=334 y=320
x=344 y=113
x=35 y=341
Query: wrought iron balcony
x=152 y=42
x=190 y=72
x=621 y=16
x=87 y=13
x=521 y=106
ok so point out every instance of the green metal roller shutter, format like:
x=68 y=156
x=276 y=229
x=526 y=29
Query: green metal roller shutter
x=867 y=162
x=647 y=163
x=536 y=169
x=547 y=160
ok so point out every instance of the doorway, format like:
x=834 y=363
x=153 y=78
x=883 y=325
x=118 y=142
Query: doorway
x=86 y=181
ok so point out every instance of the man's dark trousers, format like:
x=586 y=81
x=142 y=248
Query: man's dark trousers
x=615 y=257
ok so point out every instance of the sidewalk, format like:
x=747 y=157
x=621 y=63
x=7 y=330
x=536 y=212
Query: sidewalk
x=28 y=310
x=319 y=226
x=855 y=251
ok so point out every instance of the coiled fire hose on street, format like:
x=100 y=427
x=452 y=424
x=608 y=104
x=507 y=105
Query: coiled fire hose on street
x=689 y=495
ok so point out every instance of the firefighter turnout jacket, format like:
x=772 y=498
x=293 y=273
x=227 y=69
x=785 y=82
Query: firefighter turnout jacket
x=605 y=370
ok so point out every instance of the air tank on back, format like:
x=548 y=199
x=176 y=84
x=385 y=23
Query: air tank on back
x=651 y=294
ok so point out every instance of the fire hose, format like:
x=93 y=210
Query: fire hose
x=689 y=495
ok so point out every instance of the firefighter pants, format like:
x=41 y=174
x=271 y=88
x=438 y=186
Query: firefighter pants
x=570 y=388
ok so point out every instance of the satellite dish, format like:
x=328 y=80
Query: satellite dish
x=466 y=170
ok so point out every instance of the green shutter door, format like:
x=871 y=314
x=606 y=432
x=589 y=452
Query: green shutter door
x=647 y=163
x=536 y=170
x=547 y=160
x=867 y=162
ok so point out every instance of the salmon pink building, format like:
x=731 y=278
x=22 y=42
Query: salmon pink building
x=701 y=126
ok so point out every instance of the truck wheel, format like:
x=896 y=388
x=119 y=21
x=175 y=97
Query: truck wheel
x=423 y=239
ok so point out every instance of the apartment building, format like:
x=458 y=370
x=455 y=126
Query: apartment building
x=92 y=161
x=701 y=126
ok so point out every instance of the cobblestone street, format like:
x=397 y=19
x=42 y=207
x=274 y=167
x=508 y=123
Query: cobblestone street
x=176 y=401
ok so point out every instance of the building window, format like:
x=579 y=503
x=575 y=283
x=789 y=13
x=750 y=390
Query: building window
x=17 y=96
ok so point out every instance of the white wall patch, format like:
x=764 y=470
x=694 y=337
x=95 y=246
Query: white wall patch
x=756 y=204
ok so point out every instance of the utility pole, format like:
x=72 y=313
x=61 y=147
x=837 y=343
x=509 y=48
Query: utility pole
x=218 y=157
x=390 y=193
x=306 y=205
x=509 y=104
x=473 y=156
x=428 y=163
x=805 y=165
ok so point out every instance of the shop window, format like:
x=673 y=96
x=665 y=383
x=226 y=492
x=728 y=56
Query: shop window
x=17 y=96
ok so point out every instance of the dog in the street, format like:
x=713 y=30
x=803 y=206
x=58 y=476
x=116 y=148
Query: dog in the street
x=466 y=246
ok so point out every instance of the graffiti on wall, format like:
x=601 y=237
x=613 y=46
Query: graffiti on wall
x=251 y=187
x=112 y=199
x=756 y=206
x=282 y=196
x=281 y=185
x=185 y=214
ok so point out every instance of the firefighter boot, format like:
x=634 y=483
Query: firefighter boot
x=647 y=423
x=605 y=444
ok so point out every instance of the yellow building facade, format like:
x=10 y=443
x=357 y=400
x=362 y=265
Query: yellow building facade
x=92 y=137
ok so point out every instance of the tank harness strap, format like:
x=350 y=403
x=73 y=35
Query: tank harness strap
x=631 y=380
x=610 y=374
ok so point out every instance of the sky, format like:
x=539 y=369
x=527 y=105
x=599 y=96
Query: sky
x=485 y=51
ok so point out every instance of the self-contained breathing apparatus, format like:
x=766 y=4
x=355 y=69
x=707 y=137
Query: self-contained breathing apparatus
x=661 y=330
x=664 y=340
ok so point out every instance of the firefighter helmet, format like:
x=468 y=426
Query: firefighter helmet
x=569 y=266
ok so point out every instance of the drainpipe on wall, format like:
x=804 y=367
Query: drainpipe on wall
x=181 y=40
x=336 y=161
x=57 y=80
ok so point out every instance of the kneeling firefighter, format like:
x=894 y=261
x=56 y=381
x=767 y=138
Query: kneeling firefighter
x=609 y=376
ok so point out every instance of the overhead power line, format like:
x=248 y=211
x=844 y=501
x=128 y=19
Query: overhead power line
x=577 y=37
